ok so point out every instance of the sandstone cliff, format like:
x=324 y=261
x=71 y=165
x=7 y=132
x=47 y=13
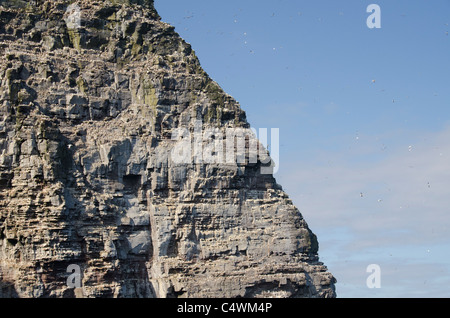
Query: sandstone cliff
x=91 y=93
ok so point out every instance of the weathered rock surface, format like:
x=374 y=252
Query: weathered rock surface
x=87 y=112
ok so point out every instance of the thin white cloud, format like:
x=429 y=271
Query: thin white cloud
x=378 y=208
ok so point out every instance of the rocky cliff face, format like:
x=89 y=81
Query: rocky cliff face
x=91 y=95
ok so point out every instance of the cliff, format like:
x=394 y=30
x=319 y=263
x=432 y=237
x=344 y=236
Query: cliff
x=98 y=104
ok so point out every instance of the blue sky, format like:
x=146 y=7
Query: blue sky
x=364 y=118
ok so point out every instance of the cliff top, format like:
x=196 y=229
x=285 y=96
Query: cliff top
x=27 y=4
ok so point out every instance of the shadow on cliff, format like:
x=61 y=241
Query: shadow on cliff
x=7 y=290
x=122 y=267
